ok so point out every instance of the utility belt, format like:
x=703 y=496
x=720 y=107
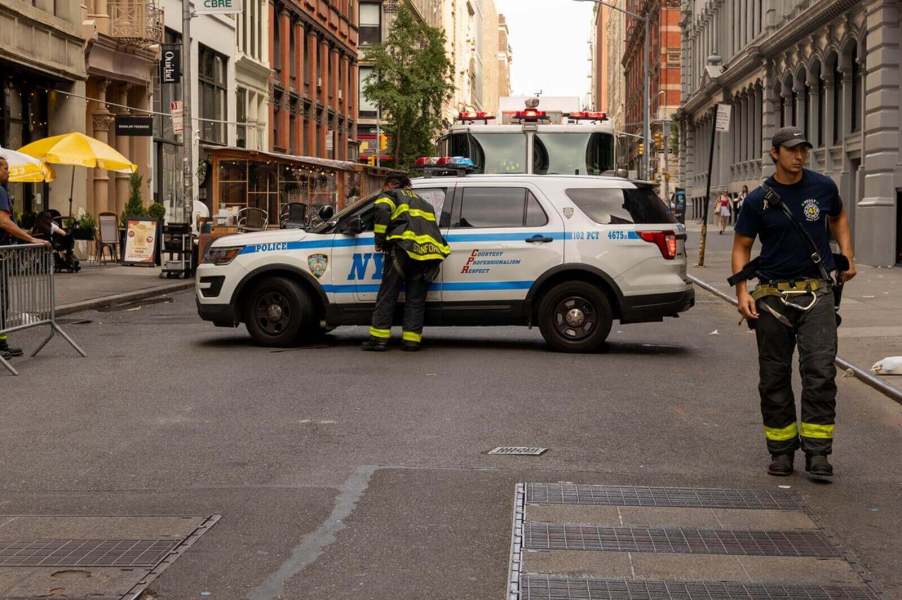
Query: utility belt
x=787 y=291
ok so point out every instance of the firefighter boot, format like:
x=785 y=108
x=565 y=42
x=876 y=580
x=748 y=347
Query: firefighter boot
x=408 y=346
x=781 y=465
x=818 y=467
x=374 y=344
x=8 y=351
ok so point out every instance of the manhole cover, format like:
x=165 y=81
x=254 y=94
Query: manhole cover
x=543 y=587
x=606 y=495
x=518 y=450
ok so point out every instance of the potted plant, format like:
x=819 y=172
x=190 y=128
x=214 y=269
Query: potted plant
x=84 y=228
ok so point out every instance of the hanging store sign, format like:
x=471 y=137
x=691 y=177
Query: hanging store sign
x=171 y=64
x=178 y=121
x=134 y=126
x=217 y=7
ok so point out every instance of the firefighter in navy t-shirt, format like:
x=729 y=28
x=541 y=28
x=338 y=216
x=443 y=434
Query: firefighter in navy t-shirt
x=8 y=232
x=793 y=306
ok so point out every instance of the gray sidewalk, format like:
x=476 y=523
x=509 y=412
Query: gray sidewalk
x=871 y=306
x=95 y=285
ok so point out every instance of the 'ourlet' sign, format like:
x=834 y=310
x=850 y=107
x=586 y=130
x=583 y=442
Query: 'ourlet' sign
x=171 y=63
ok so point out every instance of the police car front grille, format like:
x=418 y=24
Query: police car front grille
x=543 y=587
x=679 y=540
x=570 y=493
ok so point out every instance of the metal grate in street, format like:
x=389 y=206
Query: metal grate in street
x=518 y=450
x=604 y=495
x=547 y=536
x=544 y=587
x=84 y=553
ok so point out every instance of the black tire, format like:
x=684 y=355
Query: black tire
x=575 y=317
x=276 y=311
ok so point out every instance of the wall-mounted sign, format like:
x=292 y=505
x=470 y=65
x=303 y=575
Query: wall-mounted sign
x=178 y=120
x=723 y=117
x=217 y=7
x=134 y=126
x=171 y=63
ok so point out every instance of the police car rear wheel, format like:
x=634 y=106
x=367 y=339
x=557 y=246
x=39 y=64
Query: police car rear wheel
x=276 y=311
x=575 y=317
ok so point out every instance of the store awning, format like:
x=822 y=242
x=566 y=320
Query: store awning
x=232 y=152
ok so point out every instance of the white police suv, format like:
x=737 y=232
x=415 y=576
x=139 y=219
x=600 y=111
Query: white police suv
x=567 y=253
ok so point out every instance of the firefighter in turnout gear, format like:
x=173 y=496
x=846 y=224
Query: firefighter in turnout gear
x=407 y=232
x=793 y=213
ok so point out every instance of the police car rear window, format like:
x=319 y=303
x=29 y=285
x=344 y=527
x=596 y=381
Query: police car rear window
x=611 y=206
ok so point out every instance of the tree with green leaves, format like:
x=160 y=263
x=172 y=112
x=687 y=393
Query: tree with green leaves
x=411 y=81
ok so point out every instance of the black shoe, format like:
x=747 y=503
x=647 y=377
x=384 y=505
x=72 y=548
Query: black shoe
x=9 y=352
x=374 y=345
x=818 y=467
x=781 y=465
x=410 y=346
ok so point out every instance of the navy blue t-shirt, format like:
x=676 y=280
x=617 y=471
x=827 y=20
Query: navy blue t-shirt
x=785 y=254
x=5 y=205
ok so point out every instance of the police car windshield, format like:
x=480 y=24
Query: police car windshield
x=495 y=152
x=567 y=153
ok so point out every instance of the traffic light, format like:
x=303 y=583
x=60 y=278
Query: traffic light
x=641 y=148
x=659 y=141
x=383 y=141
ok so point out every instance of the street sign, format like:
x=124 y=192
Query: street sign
x=217 y=7
x=178 y=121
x=723 y=117
x=171 y=64
x=134 y=126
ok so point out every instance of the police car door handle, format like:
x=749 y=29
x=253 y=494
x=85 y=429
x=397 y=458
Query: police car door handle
x=539 y=239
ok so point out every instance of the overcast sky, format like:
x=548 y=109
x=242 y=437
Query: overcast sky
x=549 y=39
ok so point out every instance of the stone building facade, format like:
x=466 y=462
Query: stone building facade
x=42 y=53
x=830 y=67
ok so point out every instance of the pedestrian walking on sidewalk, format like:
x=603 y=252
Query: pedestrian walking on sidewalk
x=9 y=232
x=740 y=200
x=724 y=210
x=793 y=213
x=407 y=232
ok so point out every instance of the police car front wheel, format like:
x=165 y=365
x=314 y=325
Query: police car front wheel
x=575 y=317
x=276 y=312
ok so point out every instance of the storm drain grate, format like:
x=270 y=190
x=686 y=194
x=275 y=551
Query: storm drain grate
x=546 y=536
x=570 y=493
x=84 y=553
x=543 y=587
x=518 y=450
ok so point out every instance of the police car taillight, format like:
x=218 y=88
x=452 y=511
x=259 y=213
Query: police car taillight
x=666 y=241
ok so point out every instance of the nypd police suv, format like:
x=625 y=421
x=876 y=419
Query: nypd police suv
x=567 y=253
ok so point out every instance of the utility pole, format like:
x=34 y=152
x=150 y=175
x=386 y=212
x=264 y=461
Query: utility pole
x=188 y=118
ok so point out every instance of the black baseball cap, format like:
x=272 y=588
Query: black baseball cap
x=789 y=137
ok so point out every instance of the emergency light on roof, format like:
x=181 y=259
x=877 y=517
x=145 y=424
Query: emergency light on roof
x=587 y=116
x=466 y=117
x=448 y=162
x=530 y=115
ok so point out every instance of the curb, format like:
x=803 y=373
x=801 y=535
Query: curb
x=892 y=392
x=74 y=307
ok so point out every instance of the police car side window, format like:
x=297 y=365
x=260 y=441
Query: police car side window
x=612 y=206
x=484 y=207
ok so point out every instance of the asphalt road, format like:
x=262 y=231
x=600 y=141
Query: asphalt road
x=342 y=474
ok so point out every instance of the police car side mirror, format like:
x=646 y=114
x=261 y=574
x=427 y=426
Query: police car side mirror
x=354 y=226
x=326 y=212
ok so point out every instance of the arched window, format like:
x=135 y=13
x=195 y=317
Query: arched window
x=816 y=72
x=803 y=120
x=837 y=102
x=782 y=105
x=857 y=103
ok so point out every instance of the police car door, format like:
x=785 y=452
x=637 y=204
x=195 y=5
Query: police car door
x=357 y=261
x=503 y=237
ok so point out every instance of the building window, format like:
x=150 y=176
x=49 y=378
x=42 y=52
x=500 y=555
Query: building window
x=837 y=103
x=241 y=117
x=370 y=23
x=855 y=124
x=821 y=112
x=212 y=80
x=367 y=109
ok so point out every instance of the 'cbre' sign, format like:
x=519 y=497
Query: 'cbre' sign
x=217 y=7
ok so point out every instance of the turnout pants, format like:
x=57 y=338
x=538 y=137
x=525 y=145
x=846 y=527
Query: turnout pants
x=814 y=333
x=401 y=272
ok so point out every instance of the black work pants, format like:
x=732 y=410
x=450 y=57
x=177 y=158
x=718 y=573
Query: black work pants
x=401 y=272
x=814 y=333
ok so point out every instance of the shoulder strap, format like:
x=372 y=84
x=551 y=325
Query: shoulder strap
x=772 y=198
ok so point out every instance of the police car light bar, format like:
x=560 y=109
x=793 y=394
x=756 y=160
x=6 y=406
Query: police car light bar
x=467 y=117
x=530 y=115
x=587 y=116
x=456 y=163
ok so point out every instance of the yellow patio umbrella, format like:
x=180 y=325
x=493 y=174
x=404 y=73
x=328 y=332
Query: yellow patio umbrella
x=24 y=168
x=78 y=150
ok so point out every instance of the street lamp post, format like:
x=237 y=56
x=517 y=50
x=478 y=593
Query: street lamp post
x=646 y=105
x=188 y=126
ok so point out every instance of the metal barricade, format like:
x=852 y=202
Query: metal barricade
x=27 y=294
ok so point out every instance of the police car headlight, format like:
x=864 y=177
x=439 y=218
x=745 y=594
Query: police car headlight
x=222 y=255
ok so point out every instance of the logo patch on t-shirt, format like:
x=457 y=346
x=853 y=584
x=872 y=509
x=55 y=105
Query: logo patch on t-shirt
x=811 y=209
